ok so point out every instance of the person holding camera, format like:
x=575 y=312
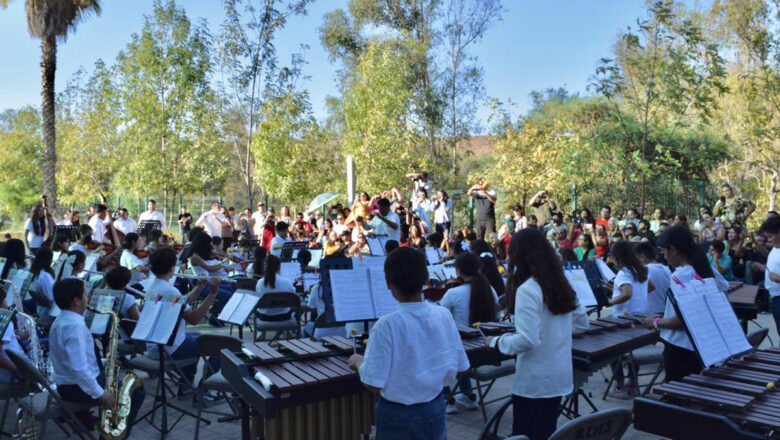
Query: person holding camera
x=485 y=202
x=543 y=206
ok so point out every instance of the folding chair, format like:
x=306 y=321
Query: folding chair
x=10 y=392
x=208 y=346
x=48 y=404
x=489 y=374
x=608 y=424
x=273 y=300
x=493 y=428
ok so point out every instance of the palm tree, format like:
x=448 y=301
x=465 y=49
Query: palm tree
x=49 y=20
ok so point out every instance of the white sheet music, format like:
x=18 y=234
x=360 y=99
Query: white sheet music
x=351 y=297
x=147 y=320
x=432 y=254
x=244 y=309
x=726 y=320
x=384 y=302
x=375 y=245
x=606 y=273
x=316 y=256
x=230 y=306
x=170 y=315
x=102 y=303
x=368 y=262
x=290 y=270
x=91 y=261
x=579 y=282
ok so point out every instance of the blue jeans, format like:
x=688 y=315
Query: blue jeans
x=423 y=421
x=776 y=312
x=535 y=418
x=465 y=385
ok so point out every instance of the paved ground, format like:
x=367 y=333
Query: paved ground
x=465 y=425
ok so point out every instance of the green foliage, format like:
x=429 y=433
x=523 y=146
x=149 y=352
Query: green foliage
x=21 y=156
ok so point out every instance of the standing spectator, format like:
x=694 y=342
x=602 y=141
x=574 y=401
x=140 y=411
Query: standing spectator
x=259 y=219
x=152 y=213
x=659 y=216
x=771 y=229
x=420 y=180
x=733 y=210
x=185 y=224
x=37 y=229
x=485 y=201
x=213 y=221
x=442 y=212
x=604 y=218
x=519 y=218
x=543 y=206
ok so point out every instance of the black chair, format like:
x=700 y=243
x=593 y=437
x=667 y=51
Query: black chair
x=273 y=300
x=210 y=345
x=48 y=404
x=10 y=392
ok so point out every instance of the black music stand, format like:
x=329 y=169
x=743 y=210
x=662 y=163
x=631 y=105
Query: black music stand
x=171 y=309
x=69 y=230
x=594 y=279
x=326 y=264
x=238 y=309
x=146 y=226
x=98 y=301
x=289 y=249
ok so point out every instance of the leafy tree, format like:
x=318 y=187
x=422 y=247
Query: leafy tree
x=50 y=20
x=21 y=155
x=248 y=56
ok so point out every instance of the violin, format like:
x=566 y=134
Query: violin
x=142 y=253
x=436 y=292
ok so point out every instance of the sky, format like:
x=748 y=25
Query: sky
x=538 y=44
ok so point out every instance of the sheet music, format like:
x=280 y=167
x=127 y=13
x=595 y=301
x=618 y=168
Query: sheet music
x=375 y=245
x=166 y=322
x=147 y=320
x=706 y=335
x=579 y=282
x=316 y=256
x=432 y=254
x=724 y=317
x=244 y=309
x=309 y=280
x=606 y=273
x=91 y=262
x=101 y=303
x=290 y=270
x=384 y=302
x=368 y=262
x=351 y=295
x=230 y=306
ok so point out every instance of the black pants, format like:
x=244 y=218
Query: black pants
x=484 y=227
x=535 y=418
x=679 y=362
x=74 y=393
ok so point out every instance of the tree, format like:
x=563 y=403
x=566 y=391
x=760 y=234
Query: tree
x=21 y=155
x=248 y=56
x=377 y=108
x=50 y=20
x=663 y=77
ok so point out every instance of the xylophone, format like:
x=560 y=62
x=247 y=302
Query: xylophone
x=743 y=300
x=735 y=401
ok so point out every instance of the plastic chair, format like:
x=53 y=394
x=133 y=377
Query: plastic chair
x=608 y=424
x=273 y=300
x=492 y=427
x=210 y=345
x=49 y=404
x=756 y=337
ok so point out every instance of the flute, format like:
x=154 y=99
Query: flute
x=202 y=277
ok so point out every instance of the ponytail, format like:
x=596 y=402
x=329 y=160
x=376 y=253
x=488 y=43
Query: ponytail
x=681 y=239
x=272 y=266
x=482 y=304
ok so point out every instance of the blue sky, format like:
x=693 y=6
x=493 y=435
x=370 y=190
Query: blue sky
x=539 y=44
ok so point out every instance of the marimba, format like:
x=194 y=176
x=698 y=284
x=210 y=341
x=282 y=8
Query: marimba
x=743 y=300
x=735 y=401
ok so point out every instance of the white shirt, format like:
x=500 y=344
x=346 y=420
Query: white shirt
x=259 y=223
x=422 y=209
x=212 y=223
x=36 y=241
x=638 y=301
x=221 y=273
x=457 y=300
x=125 y=226
x=161 y=287
x=280 y=285
x=98 y=229
x=542 y=343
x=79 y=247
x=381 y=228
x=127 y=304
x=678 y=336
x=130 y=261
x=45 y=283
x=662 y=278
x=153 y=215
x=9 y=343
x=73 y=354
x=443 y=211
x=413 y=353
x=276 y=245
x=773 y=265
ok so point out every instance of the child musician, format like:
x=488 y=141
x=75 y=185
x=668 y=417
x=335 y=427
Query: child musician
x=688 y=260
x=412 y=354
x=546 y=314
x=78 y=375
x=8 y=342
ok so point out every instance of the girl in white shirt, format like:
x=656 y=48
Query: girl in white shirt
x=272 y=282
x=629 y=296
x=688 y=260
x=44 y=280
x=546 y=314
x=138 y=266
x=473 y=301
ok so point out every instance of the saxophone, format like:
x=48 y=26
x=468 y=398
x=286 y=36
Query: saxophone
x=26 y=324
x=113 y=420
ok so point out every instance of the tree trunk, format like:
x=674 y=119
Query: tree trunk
x=48 y=66
x=773 y=192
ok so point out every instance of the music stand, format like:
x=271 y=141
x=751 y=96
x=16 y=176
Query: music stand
x=102 y=300
x=146 y=226
x=594 y=279
x=326 y=264
x=158 y=325
x=290 y=250
x=238 y=309
x=69 y=230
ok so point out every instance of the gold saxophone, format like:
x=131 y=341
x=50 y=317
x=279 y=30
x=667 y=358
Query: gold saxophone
x=113 y=420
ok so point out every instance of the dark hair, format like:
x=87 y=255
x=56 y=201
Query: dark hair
x=282 y=226
x=390 y=246
x=607 y=207
x=129 y=242
x=201 y=246
x=65 y=290
x=85 y=233
x=488 y=264
x=60 y=238
x=304 y=257
x=42 y=262
x=194 y=232
x=405 y=270
x=771 y=225
x=151 y=201
x=162 y=261
x=38 y=221
x=482 y=305
x=258 y=267
x=435 y=239
x=444 y=193
x=645 y=250
x=383 y=202
x=272 y=265
x=216 y=241
x=681 y=239
x=101 y=208
x=623 y=254
x=531 y=256
x=718 y=246
x=81 y=258
x=471 y=236
x=154 y=235
x=118 y=277
x=14 y=253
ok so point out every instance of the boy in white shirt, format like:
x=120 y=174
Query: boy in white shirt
x=771 y=228
x=412 y=354
x=279 y=239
